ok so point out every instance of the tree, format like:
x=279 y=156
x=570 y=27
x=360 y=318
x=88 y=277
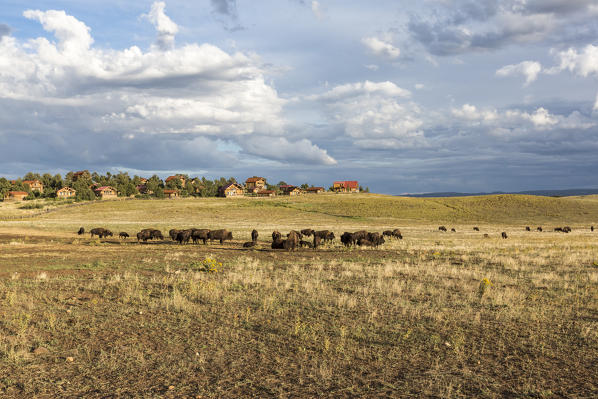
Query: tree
x=84 y=192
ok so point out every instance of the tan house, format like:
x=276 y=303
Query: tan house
x=266 y=193
x=66 y=192
x=290 y=190
x=171 y=193
x=142 y=180
x=34 y=185
x=231 y=190
x=349 y=186
x=82 y=174
x=176 y=177
x=315 y=190
x=142 y=188
x=15 y=195
x=106 y=192
x=255 y=184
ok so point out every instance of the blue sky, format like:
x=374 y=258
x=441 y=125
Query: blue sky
x=436 y=95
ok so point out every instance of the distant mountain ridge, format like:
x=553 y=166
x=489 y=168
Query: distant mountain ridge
x=543 y=193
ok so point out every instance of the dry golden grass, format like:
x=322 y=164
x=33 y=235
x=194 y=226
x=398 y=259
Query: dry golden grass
x=434 y=315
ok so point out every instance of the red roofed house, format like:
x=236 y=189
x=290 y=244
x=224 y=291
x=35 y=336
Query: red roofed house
x=290 y=190
x=175 y=177
x=15 y=195
x=255 y=184
x=349 y=186
x=171 y=193
x=82 y=174
x=66 y=192
x=106 y=192
x=34 y=185
x=231 y=190
x=315 y=190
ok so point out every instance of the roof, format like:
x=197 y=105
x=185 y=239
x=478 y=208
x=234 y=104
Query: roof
x=254 y=179
x=18 y=193
x=171 y=191
x=348 y=183
x=226 y=186
x=81 y=172
x=31 y=181
x=169 y=178
x=103 y=188
x=66 y=188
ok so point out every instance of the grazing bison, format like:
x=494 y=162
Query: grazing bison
x=254 y=235
x=144 y=235
x=566 y=229
x=527 y=228
x=276 y=235
x=100 y=232
x=347 y=239
x=504 y=235
x=184 y=236
x=325 y=235
x=453 y=230
x=152 y=234
x=317 y=241
x=559 y=229
x=442 y=228
x=375 y=238
x=363 y=242
x=199 y=234
x=591 y=228
x=82 y=230
x=220 y=235
x=307 y=232
x=124 y=235
x=359 y=234
x=387 y=233
x=539 y=228
x=486 y=235
x=396 y=233
x=172 y=233
x=292 y=241
x=249 y=244
x=157 y=234
x=304 y=244
x=476 y=229
x=278 y=244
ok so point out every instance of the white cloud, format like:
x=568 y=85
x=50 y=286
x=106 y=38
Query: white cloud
x=419 y=86
x=596 y=103
x=529 y=69
x=367 y=88
x=583 y=63
x=471 y=113
x=372 y=67
x=281 y=149
x=380 y=47
x=316 y=8
x=165 y=27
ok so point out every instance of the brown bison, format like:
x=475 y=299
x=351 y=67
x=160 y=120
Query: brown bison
x=453 y=230
x=123 y=235
x=539 y=229
x=220 y=235
x=347 y=239
x=172 y=233
x=442 y=228
x=317 y=241
x=278 y=244
x=486 y=235
x=183 y=236
x=591 y=228
x=476 y=229
x=292 y=241
x=199 y=234
x=276 y=235
x=304 y=244
x=307 y=232
x=81 y=231
x=249 y=244
x=504 y=235
x=566 y=229
x=527 y=228
x=100 y=232
x=254 y=235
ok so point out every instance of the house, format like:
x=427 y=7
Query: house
x=82 y=174
x=315 y=190
x=66 y=192
x=171 y=193
x=255 y=184
x=181 y=178
x=106 y=192
x=142 y=188
x=266 y=193
x=231 y=190
x=349 y=186
x=15 y=195
x=290 y=190
x=34 y=185
x=142 y=180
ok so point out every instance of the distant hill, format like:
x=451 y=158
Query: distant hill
x=543 y=193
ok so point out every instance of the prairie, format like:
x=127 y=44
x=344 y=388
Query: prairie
x=433 y=315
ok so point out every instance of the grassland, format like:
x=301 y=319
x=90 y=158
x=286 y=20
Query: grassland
x=434 y=315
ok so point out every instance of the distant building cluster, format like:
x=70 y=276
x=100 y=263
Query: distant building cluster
x=85 y=185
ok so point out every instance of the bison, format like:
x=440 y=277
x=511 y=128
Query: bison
x=591 y=228
x=124 y=235
x=347 y=239
x=442 y=228
x=396 y=233
x=278 y=244
x=558 y=229
x=82 y=231
x=527 y=228
x=220 y=235
x=276 y=235
x=307 y=244
x=292 y=241
x=539 y=229
x=486 y=235
x=476 y=229
x=183 y=236
x=200 y=234
x=249 y=244
x=317 y=241
x=504 y=235
x=566 y=229
x=307 y=232
x=100 y=232
x=254 y=235
x=365 y=242
x=453 y=230
x=172 y=233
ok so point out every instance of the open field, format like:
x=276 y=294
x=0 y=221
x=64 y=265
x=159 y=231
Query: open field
x=436 y=314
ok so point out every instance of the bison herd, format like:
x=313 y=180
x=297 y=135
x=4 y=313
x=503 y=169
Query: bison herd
x=306 y=238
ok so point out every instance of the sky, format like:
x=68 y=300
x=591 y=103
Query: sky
x=403 y=96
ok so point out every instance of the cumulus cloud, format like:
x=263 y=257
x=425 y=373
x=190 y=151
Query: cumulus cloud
x=197 y=94
x=380 y=47
x=529 y=69
x=471 y=112
x=281 y=149
x=165 y=27
x=583 y=63
x=316 y=8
